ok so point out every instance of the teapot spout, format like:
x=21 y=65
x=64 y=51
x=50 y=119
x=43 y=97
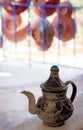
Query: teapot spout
x=32 y=102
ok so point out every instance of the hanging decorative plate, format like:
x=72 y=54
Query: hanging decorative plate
x=12 y=9
x=65 y=9
x=45 y=11
x=14 y=28
x=1 y=41
x=64 y=28
x=43 y=34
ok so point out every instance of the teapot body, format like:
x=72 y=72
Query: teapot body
x=54 y=108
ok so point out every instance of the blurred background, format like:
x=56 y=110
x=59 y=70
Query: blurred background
x=25 y=48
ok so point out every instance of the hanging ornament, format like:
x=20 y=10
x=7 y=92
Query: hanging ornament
x=64 y=28
x=45 y=11
x=65 y=9
x=1 y=41
x=14 y=28
x=43 y=33
x=12 y=9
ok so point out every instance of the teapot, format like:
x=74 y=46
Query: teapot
x=53 y=107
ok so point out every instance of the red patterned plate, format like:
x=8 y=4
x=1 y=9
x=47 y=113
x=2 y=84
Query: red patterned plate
x=43 y=35
x=64 y=28
x=14 y=31
x=19 y=9
x=66 y=9
x=47 y=10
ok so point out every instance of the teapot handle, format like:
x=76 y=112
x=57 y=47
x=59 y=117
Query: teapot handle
x=74 y=91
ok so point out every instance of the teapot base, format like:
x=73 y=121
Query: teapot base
x=54 y=124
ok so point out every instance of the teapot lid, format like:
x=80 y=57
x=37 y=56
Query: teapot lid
x=53 y=83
